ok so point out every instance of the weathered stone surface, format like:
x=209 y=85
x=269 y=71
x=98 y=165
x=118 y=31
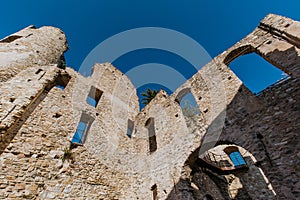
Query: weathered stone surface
x=163 y=158
x=31 y=47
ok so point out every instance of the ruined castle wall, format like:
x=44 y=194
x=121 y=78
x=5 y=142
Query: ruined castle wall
x=249 y=179
x=270 y=133
x=31 y=47
x=20 y=95
x=268 y=125
x=39 y=120
x=39 y=161
x=174 y=140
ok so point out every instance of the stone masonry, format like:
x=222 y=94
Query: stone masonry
x=155 y=153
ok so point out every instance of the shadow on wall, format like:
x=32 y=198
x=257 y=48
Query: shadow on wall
x=289 y=59
x=61 y=82
x=199 y=180
x=202 y=181
x=255 y=123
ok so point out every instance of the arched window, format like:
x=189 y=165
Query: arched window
x=151 y=132
x=187 y=103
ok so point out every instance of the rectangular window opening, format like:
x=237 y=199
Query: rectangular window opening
x=62 y=81
x=152 y=135
x=256 y=73
x=82 y=129
x=94 y=96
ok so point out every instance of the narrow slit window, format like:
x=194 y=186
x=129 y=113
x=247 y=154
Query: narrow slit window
x=79 y=134
x=154 y=191
x=82 y=129
x=151 y=133
x=94 y=96
x=130 y=126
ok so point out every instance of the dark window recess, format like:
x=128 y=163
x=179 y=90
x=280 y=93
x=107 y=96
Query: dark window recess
x=62 y=81
x=130 y=126
x=208 y=197
x=151 y=133
x=82 y=129
x=94 y=96
x=154 y=191
x=12 y=100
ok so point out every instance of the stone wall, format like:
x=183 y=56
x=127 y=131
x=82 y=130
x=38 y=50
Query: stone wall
x=160 y=158
x=267 y=125
x=31 y=47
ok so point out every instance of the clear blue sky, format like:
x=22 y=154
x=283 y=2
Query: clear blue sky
x=215 y=24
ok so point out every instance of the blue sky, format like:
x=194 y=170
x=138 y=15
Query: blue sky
x=216 y=25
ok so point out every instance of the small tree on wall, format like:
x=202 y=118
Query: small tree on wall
x=148 y=96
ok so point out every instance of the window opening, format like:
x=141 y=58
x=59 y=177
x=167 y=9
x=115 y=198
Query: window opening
x=151 y=133
x=60 y=87
x=82 y=129
x=154 y=191
x=237 y=158
x=256 y=73
x=130 y=126
x=187 y=103
x=62 y=81
x=94 y=96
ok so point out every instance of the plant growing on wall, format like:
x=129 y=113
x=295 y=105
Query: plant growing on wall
x=148 y=96
x=67 y=154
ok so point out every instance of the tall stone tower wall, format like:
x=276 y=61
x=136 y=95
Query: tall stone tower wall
x=31 y=47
